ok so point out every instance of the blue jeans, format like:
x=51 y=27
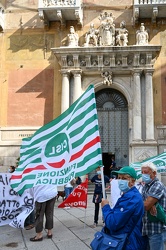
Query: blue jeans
x=68 y=191
x=164 y=234
x=156 y=242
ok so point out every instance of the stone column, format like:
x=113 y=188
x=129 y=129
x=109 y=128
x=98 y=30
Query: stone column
x=77 y=90
x=149 y=104
x=65 y=90
x=137 y=121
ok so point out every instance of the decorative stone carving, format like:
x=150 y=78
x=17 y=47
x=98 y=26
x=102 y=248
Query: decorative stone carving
x=78 y=17
x=144 y=154
x=110 y=59
x=142 y=36
x=94 y=62
x=59 y=2
x=122 y=35
x=82 y=63
x=142 y=60
x=161 y=132
x=106 y=62
x=107 y=77
x=136 y=14
x=64 y=61
x=91 y=37
x=107 y=30
x=59 y=15
x=75 y=60
x=1 y=19
x=72 y=38
x=155 y=14
x=119 y=62
x=70 y=62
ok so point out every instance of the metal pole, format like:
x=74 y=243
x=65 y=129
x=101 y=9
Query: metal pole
x=103 y=183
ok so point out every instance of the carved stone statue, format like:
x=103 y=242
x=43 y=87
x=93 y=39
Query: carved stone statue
x=72 y=38
x=142 y=36
x=122 y=35
x=107 y=77
x=91 y=37
x=107 y=29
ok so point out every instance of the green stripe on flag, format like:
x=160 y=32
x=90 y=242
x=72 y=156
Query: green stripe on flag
x=65 y=147
x=83 y=139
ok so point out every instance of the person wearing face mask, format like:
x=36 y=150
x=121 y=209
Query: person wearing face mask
x=11 y=169
x=153 y=192
x=98 y=193
x=126 y=215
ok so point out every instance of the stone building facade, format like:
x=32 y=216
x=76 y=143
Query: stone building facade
x=52 y=50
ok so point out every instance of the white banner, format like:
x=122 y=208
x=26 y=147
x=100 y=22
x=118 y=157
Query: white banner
x=116 y=193
x=14 y=208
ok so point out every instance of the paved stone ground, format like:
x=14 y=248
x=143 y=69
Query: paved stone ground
x=71 y=231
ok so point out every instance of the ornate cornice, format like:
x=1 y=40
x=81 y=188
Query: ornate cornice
x=107 y=58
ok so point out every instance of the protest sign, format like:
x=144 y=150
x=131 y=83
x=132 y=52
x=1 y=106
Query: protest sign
x=78 y=197
x=14 y=208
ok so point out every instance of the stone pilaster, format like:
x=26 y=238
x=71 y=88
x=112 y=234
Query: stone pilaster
x=137 y=120
x=65 y=90
x=149 y=105
x=77 y=90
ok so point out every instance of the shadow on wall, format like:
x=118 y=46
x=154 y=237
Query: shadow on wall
x=31 y=92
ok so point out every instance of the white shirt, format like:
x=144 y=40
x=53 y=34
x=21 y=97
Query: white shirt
x=44 y=193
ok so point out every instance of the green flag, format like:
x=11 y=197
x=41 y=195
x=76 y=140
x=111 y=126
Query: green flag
x=62 y=149
x=158 y=160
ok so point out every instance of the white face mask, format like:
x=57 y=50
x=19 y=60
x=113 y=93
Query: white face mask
x=146 y=178
x=123 y=185
x=9 y=170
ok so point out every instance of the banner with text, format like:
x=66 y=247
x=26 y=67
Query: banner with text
x=14 y=208
x=78 y=197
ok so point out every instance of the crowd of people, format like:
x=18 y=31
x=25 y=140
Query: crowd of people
x=136 y=213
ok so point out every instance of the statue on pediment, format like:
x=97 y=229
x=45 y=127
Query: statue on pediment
x=142 y=36
x=107 y=29
x=91 y=37
x=122 y=35
x=72 y=38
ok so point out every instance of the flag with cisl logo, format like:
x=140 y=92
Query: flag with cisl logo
x=158 y=160
x=62 y=149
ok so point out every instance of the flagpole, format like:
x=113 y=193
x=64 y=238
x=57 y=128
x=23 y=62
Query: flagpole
x=103 y=184
x=85 y=218
x=86 y=200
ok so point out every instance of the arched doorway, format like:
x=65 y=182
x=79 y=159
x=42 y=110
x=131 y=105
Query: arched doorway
x=112 y=108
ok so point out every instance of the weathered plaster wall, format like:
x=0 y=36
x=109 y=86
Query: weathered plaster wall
x=30 y=78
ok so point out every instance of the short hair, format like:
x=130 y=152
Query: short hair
x=150 y=165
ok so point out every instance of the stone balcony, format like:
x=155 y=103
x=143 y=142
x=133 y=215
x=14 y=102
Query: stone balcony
x=152 y=9
x=60 y=10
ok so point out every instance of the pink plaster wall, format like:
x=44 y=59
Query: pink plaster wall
x=30 y=97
